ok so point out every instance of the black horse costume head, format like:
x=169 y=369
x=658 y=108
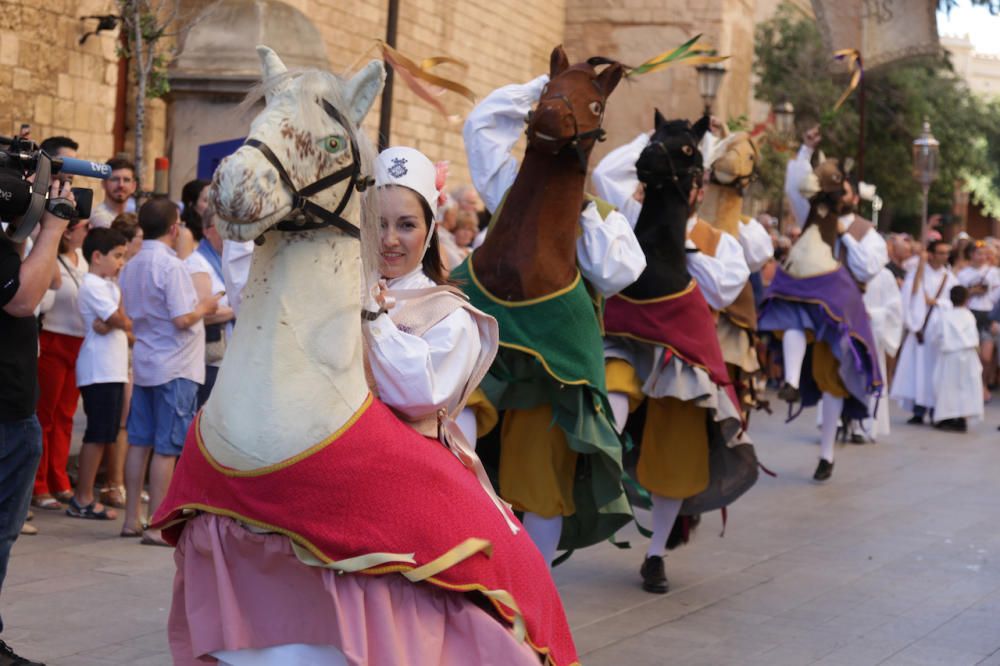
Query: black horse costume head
x=670 y=169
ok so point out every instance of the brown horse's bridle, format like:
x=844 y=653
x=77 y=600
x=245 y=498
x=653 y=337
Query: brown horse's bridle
x=316 y=216
x=575 y=141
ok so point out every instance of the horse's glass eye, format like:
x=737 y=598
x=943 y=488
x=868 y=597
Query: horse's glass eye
x=595 y=108
x=332 y=144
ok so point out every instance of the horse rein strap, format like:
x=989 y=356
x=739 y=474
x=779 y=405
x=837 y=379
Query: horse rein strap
x=300 y=197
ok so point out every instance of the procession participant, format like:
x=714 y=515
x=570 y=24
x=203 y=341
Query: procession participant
x=815 y=301
x=958 y=372
x=718 y=265
x=302 y=497
x=428 y=348
x=551 y=418
x=662 y=349
x=806 y=159
x=982 y=279
x=925 y=292
x=884 y=304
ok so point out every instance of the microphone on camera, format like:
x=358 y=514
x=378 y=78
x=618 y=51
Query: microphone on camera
x=78 y=167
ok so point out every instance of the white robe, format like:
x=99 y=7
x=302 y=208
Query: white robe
x=958 y=374
x=607 y=251
x=884 y=304
x=914 y=379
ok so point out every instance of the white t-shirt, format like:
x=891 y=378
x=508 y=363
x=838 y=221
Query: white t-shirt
x=103 y=359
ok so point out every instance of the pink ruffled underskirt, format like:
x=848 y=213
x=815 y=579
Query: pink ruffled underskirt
x=235 y=589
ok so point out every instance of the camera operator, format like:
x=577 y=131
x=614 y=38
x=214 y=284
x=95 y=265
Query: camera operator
x=23 y=282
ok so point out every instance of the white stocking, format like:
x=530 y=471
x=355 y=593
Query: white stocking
x=619 y=408
x=793 y=348
x=544 y=532
x=831 y=406
x=665 y=510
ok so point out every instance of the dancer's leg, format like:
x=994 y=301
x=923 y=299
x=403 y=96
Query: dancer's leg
x=619 y=408
x=665 y=510
x=793 y=347
x=832 y=407
x=545 y=533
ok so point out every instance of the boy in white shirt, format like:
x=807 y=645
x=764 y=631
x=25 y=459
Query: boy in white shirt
x=102 y=366
x=958 y=374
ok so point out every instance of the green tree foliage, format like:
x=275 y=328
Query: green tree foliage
x=793 y=65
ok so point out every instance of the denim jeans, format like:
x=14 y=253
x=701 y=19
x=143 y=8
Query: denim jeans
x=20 y=451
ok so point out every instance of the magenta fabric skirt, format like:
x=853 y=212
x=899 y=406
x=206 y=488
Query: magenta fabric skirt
x=235 y=589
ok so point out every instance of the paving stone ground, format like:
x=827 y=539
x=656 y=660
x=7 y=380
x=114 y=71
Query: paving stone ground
x=895 y=561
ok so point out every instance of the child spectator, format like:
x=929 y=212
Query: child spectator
x=958 y=372
x=102 y=366
x=168 y=363
x=127 y=224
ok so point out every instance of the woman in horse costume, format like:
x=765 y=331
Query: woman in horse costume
x=311 y=524
x=816 y=302
x=661 y=344
x=560 y=457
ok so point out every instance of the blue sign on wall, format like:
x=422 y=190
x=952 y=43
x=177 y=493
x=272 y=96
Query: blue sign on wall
x=210 y=154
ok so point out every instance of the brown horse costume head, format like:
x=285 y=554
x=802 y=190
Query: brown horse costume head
x=813 y=253
x=670 y=167
x=531 y=248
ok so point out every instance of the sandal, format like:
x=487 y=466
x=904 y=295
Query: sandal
x=76 y=510
x=113 y=496
x=132 y=532
x=46 y=502
x=149 y=540
x=64 y=497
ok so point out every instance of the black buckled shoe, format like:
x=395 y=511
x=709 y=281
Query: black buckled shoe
x=824 y=470
x=789 y=393
x=654 y=575
x=10 y=658
x=915 y=420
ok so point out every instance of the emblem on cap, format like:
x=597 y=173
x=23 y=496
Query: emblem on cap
x=398 y=168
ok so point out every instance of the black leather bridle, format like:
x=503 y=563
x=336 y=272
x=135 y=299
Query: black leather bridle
x=694 y=172
x=317 y=217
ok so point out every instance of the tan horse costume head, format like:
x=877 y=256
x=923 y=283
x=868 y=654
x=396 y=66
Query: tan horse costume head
x=732 y=166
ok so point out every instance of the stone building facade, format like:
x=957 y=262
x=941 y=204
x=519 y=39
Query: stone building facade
x=61 y=87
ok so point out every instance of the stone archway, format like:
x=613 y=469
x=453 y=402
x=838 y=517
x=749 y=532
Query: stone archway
x=219 y=64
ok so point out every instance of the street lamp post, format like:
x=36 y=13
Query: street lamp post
x=784 y=119
x=925 y=166
x=784 y=123
x=709 y=80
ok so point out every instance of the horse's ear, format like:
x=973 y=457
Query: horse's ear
x=701 y=126
x=658 y=120
x=362 y=90
x=558 y=63
x=270 y=63
x=610 y=77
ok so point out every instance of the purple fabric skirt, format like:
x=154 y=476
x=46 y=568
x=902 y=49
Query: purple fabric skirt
x=831 y=306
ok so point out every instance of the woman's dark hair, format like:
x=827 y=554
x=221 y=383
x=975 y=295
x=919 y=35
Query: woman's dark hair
x=431 y=263
x=189 y=198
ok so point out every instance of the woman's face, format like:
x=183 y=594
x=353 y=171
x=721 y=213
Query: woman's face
x=202 y=203
x=403 y=231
